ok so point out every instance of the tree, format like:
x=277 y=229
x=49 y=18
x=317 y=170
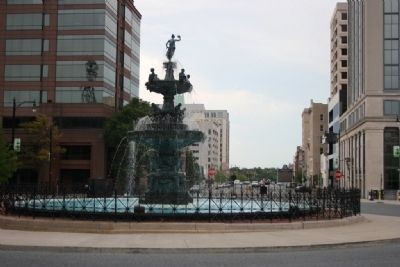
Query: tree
x=41 y=143
x=8 y=160
x=220 y=177
x=117 y=128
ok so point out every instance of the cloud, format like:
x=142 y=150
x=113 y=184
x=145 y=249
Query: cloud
x=262 y=60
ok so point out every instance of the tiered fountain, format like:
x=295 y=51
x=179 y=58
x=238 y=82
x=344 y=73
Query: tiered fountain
x=165 y=133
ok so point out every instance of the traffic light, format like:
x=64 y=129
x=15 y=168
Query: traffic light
x=17 y=144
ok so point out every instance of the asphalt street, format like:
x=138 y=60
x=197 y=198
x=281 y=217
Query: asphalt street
x=382 y=254
x=380 y=209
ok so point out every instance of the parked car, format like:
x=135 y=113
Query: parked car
x=195 y=188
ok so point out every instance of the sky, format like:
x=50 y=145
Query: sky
x=261 y=60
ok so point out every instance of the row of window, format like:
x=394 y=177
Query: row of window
x=20 y=2
x=25 y=72
x=27 y=21
x=72 y=19
x=391 y=45
x=87 y=19
x=24 y=47
x=86 y=45
x=356 y=115
x=63 y=95
x=84 y=95
x=78 y=71
x=28 y=96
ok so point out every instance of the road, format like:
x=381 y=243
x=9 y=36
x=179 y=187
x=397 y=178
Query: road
x=370 y=254
x=380 y=209
x=384 y=254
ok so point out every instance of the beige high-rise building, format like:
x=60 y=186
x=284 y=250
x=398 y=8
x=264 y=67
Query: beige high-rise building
x=222 y=118
x=339 y=49
x=213 y=153
x=337 y=102
x=314 y=125
x=369 y=129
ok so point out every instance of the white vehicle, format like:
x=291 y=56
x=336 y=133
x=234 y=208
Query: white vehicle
x=195 y=188
x=255 y=184
x=236 y=182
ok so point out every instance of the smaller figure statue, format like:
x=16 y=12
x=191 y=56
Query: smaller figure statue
x=152 y=76
x=171 y=46
x=182 y=76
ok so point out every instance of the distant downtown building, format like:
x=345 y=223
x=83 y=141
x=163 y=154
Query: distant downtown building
x=79 y=61
x=314 y=125
x=369 y=128
x=213 y=153
x=298 y=164
x=338 y=89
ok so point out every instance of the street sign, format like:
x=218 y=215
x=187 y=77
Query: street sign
x=17 y=144
x=396 y=151
x=338 y=175
x=211 y=172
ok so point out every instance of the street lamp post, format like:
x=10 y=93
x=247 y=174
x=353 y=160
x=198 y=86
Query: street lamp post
x=15 y=106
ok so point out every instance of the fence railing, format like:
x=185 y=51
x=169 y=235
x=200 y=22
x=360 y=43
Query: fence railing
x=271 y=203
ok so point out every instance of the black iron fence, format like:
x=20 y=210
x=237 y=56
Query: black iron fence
x=227 y=204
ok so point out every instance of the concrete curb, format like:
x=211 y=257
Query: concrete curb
x=105 y=227
x=196 y=250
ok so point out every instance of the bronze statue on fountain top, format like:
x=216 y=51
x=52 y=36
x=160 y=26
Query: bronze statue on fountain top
x=169 y=87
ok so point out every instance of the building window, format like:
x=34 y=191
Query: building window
x=86 y=45
x=23 y=96
x=343 y=28
x=79 y=122
x=344 y=63
x=25 y=72
x=344 y=51
x=321 y=117
x=344 y=75
x=344 y=16
x=77 y=71
x=26 y=21
x=27 y=47
x=78 y=95
x=321 y=128
x=391 y=107
x=87 y=19
x=343 y=40
x=391 y=45
x=21 y=2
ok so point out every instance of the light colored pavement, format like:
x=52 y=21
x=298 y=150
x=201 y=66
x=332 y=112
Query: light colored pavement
x=374 y=228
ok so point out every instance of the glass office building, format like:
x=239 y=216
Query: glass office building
x=79 y=61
